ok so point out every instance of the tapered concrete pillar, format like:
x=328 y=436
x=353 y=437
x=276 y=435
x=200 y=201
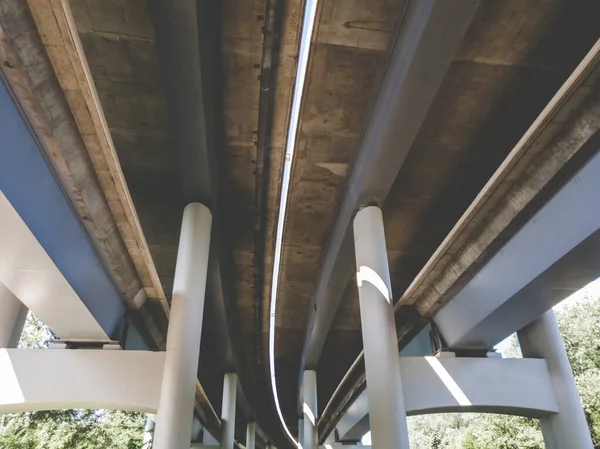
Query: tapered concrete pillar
x=568 y=428
x=13 y=314
x=309 y=409
x=228 y=411
x=251 y=435
x=387 y=414
x=197 y=430
x=175 y=411
x=149 y=431
x=300 y=432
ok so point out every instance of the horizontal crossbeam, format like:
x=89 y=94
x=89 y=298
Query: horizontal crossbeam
x=448 y=384
x=49 y=379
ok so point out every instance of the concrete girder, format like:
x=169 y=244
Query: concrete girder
x=31 y=275
x=105 y=379
x=414 y=73
x=192 y=116
x=527 y=158
x=462 y=385
x=531 y=173
x=556 y=253
x=45 y=249
x=518 y=386
x=187 y=36
x=50 y=81
x=59 y=34
x=70 y=143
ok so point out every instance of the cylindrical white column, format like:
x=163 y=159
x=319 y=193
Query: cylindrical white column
x=13 y=314
x=228 y=411
x=387 y=413
x=568 y=428
x=149 y=431
x=309 y=409
x=301 y=432
x=251 y=435
x=175 y=411
x=197 y=431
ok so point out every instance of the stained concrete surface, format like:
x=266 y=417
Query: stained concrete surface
x=513 y=59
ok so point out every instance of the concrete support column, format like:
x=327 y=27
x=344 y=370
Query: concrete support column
x=387 y=414
x=13 y=314
x=251 y=435
x=309 y=409
x=228 y=411
x=301 y=432
x=568 y=428
x=175 y=411
x=149 y=431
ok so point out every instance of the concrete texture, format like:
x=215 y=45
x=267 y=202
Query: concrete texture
x=520 y=387
x=349 y=50
x=498 y=83
x=119 y=44
x=550 y=258
x=47 y=106
x=94 y=379
x=58 y=31
x=478 y=116
x=29 y=276
x=515 y=56
x=561 y=139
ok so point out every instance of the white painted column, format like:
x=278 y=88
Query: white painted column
x=387 y=413
x=228 y=411
x=208 y=439
x=251 y=435
x=149 y=431
x=568 y=428
x=301 y=432
x=13 y=314
x=197 y=431
x=309 y=409
x=175 y=411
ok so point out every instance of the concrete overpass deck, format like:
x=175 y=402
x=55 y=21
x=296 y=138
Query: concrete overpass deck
x=139 y=108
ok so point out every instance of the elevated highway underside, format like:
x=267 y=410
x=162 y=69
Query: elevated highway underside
x=512 y=60
x=168 y=103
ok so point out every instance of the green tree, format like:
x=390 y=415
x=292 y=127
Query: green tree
x=580 y=329
x=36 y=334
x=72 y=429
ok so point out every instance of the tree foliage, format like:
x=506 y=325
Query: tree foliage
x=36 y=334
x=580 y=328
x=72 y=429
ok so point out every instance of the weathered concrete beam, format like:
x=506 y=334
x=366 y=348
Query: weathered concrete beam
x=530 y=175
x=48 y=379
x=463 y=385
x=555 y=254
x=60 y=37
x=547 y=155
x=53 y=100
x=31 y=277
x=429 y=36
